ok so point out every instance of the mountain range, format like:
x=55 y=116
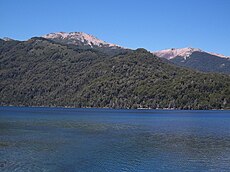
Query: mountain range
x=79 y=70
x=188 y=57
x=193 y=58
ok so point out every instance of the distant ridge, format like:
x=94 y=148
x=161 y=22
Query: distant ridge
x=196 y=59
x=182 y=52
x=7 y=39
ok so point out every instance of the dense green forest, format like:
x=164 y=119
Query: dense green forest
x=39 y=72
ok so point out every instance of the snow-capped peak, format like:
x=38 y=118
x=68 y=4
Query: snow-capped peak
x=182 y=52
x=173 y=52
x=76 y=37
x=7 y=39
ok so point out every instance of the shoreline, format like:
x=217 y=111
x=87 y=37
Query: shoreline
x=71 y=107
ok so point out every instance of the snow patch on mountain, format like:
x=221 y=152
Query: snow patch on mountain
x=220 y=55
x=173 y=52
x=73 y=37
x=182 y=52
x=7 y=39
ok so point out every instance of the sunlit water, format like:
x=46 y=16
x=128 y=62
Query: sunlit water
x=58 y=139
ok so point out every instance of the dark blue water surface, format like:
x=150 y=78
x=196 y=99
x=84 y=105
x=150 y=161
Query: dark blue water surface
x=59 y=139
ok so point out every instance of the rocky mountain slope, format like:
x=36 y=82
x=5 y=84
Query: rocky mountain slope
x=84 y=41
x=196 y=59
x=78 y=38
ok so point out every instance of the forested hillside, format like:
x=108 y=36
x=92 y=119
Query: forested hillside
x=39 y=72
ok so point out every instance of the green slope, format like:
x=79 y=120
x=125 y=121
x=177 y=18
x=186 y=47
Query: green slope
x=39 y=72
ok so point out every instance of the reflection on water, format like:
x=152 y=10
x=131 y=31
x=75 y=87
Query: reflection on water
x=53 y=139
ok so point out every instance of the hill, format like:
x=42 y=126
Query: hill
x=41 y=72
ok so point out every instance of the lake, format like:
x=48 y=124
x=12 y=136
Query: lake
x=61 y=139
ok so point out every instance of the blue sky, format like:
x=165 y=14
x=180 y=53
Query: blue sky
x=151 y=24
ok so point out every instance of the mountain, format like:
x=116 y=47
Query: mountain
x=7 y=39
x=196 y=59
x=84 y=41
x=78 y=38
x=193 y=58
x=42 y=72
x=188 y=57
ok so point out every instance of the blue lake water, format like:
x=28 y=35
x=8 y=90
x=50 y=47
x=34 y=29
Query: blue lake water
x=59 y=139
